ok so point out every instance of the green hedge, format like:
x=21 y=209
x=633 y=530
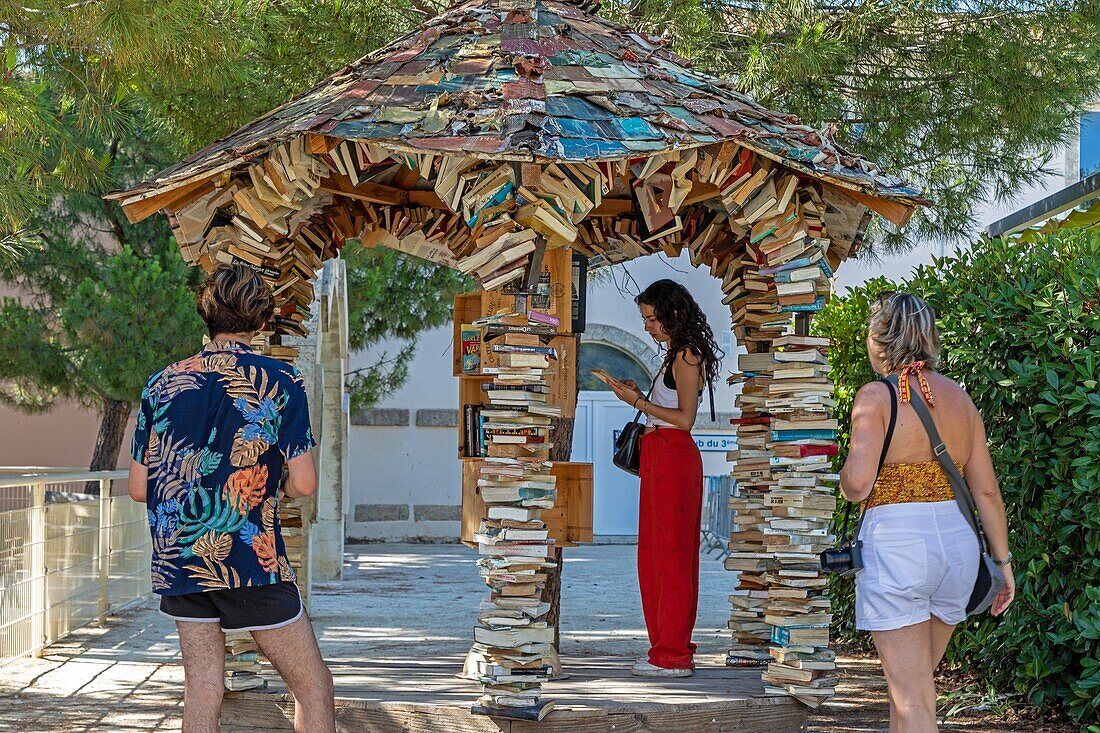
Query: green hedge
x=1021 y=332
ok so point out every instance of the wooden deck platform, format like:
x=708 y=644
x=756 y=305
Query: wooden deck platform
x=598 y=696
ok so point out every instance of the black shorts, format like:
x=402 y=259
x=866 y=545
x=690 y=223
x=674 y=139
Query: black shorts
x=256 y=608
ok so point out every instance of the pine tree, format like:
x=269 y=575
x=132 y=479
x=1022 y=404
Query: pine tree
x=966 y=100
x=96 y=96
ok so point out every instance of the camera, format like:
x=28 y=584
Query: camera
x=843 y=560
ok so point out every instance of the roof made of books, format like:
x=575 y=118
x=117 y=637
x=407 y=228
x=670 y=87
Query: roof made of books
x=536 y=80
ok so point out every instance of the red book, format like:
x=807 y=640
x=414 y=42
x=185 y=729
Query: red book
x=819 y=450
x=762 y=420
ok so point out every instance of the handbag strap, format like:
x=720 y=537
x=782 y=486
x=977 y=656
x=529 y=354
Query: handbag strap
x=638 y=414
x=881 y=459
x=660 y=373
x=958 y=484
x=710 y=389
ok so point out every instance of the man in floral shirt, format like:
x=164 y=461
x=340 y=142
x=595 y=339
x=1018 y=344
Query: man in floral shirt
x=213 y=435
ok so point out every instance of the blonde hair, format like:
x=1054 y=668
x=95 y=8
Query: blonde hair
x=234 y=299
x=903 y=326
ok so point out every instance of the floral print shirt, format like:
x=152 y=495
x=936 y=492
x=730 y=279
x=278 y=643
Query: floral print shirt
x=215 y=431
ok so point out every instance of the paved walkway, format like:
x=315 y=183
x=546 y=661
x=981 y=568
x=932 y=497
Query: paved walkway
x=396 y=601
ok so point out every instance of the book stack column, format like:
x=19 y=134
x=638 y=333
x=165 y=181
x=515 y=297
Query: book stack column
x=782 y=466
x=515 y=373
x=802 y=440
x=513 y=641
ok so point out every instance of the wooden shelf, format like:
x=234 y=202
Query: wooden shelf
x=569 y=522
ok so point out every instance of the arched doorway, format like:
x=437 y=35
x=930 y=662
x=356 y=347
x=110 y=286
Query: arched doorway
x=600 y=415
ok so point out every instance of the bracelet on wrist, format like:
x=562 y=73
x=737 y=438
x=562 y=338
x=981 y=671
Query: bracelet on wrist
x=1002 y=563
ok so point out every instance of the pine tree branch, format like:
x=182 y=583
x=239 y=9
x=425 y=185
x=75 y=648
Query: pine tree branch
x=62 y=9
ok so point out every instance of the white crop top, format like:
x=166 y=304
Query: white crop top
x=663 y=396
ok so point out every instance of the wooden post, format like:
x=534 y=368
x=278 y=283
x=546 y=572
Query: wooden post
x=562 y=451
x=802 y=324
x=104 y=550
x=552 y=594
x=38 y=569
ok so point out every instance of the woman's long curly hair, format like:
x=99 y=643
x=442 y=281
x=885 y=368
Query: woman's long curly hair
x=684 y=322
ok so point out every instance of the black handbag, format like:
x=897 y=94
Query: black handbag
x=628 y=444
x=991 y=578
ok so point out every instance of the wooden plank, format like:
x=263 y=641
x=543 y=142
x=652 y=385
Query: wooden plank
x=320 y=144
x=246 y=712
x=376 y=193
x=618 y=703
x=895 y=212
x=382 y=720
x=612 y=208
x=473 y=507
x=575 y=483
x=175 y=199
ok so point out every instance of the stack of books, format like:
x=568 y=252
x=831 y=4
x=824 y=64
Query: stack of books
x=802 y=442
x=291 y=525
x=751 y=516
x=786 y=436
x=512 y=641
x=272 y=217
x=515 y=419
x=242 y=663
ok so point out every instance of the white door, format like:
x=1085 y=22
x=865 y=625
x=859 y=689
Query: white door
x=600 y=415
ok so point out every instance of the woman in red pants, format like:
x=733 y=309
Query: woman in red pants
x=672 y=475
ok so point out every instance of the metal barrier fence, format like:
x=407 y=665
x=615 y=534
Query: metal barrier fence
x=67 y=557
x=717 y=518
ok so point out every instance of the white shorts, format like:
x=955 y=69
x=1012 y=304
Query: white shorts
x=919 y=560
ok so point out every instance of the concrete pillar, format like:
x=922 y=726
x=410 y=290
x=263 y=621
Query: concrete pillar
x=308 y=363
x=327 y=534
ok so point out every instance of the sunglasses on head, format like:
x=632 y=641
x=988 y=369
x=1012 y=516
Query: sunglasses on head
x=881 y=299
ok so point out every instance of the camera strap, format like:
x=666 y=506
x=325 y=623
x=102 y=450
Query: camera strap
x=881 y=460
x=963 y=495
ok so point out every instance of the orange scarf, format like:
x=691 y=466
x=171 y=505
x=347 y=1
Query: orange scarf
x=903 y=382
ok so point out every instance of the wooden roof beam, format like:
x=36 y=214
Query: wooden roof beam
x=377 y=193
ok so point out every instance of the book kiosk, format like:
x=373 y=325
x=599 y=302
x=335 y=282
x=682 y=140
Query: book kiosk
x=517 y=141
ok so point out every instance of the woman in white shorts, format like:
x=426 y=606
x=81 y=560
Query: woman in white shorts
x=920 y=556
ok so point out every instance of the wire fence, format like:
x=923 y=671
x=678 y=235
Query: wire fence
x=73 y=548
x=717 y=520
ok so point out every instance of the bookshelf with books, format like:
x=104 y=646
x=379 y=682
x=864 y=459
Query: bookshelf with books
x=517 y=378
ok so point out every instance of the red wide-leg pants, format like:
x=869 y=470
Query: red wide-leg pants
x=671 y=472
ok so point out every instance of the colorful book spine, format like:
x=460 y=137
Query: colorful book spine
x=545 y=318
x=784 y=436
x=471 y=349
x=817 y=305
x=540 y=350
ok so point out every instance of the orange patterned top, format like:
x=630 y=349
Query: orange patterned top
x=899 y=483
